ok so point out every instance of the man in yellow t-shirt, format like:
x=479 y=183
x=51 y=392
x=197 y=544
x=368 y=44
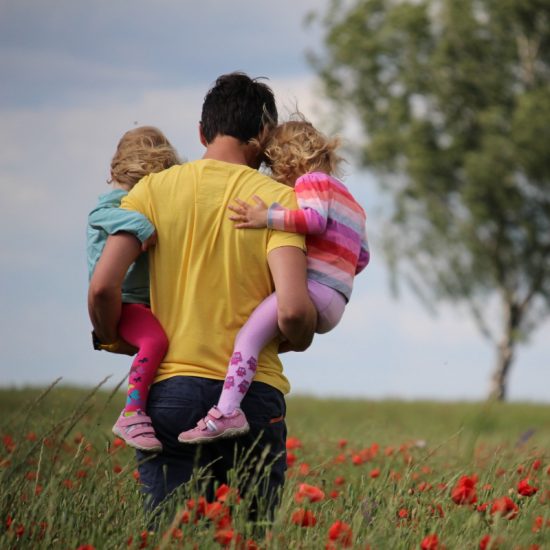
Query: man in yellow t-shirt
x=206 y=279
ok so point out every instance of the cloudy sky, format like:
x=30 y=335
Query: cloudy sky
x=75 y=76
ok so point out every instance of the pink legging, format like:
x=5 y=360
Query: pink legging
x=139 y=327
x=261 y=328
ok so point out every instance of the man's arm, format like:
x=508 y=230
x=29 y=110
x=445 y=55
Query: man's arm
x=104 y=294
x=295 y=310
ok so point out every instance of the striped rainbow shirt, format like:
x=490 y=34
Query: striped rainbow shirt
x=337 y=247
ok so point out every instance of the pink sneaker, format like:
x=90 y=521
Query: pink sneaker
x=216 y=425
x=137 y=430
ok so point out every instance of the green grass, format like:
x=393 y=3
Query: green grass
x=385 y=468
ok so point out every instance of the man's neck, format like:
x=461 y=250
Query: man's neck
x=230 y=149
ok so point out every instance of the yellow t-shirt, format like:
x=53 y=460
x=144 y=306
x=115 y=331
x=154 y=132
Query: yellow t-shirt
x=206 y=276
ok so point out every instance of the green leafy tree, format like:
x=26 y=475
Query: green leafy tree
x=453 y=98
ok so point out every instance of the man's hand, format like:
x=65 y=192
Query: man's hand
x=124 y=348
x=119 y=346
x=249 y=216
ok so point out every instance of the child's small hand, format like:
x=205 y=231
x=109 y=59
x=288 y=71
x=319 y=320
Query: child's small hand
x=150 y=242
x=249 y=216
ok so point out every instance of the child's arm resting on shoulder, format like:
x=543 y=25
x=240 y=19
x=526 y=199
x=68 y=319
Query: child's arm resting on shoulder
x=249 y=216
x=308 y=220
x=313 y=194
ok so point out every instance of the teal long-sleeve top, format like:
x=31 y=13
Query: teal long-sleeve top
x=107 y=219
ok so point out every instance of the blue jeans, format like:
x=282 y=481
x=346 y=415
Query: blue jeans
x=177 y=404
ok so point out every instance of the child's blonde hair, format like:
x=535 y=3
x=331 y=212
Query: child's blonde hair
x=140 y=152
x=296 y=147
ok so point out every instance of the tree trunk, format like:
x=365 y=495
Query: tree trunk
x=499 y=380
x=505 y=353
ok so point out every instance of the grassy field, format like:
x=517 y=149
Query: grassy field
x=362 y=474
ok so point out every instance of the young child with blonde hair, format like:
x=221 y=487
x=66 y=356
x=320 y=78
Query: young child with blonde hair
x=337 y=249
x=140 y=151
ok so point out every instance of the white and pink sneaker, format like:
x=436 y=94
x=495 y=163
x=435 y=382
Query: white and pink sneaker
x=138 y=432
x=216 y=425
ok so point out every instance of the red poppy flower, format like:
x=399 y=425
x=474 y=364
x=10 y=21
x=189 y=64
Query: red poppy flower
x=177 y=534
x=430 y=542
x=464 y=492
x=185 y=516
x=374 y=473
x=200 y=507
x=224 y=492
x=537 y=463
x=68 y=483
x=340 y=458
x=224 y=537
x=342 y=443
x=505 y=506
x=293 y=443
x=525 y=489
x=308 y=492
x=290 y=459
x=9 y=444
x=487 y=542
x=215 y=510
x=303 y=518
x=484 y=542
x=144 y=535
x=356 y=459
x=538 y=524
x=340 y=532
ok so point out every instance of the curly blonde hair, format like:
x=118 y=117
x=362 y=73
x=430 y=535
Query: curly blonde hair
x=140 y=152
x=296 y=147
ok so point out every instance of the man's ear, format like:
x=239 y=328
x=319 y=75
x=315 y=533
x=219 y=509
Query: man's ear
x=201 y=136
